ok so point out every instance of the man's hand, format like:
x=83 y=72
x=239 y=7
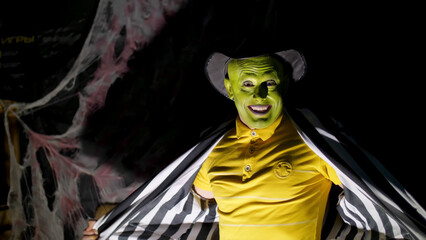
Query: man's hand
x=203 y=193
x=90 y=233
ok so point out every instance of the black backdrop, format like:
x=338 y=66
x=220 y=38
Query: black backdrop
x=364 y=68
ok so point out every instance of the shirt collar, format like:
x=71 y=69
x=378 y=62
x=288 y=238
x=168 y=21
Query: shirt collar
x=264 y=133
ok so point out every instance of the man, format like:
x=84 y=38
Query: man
x=266 y=181
x=270 y=172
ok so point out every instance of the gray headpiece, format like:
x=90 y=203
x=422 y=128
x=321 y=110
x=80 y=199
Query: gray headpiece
x=217 y=66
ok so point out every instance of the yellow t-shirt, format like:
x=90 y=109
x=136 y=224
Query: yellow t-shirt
x=267 y=183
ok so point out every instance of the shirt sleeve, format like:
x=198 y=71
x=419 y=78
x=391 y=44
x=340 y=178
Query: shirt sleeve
x=202 y=181
x=329 y=172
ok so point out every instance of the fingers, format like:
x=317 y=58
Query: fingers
x=93 y=237
x=89 y=233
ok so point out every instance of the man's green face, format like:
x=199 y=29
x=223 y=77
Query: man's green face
x=257 y=85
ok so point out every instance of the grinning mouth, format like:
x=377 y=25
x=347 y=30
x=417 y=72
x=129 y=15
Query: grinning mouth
x=259 y=109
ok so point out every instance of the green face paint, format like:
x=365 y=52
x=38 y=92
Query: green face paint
x=257 y=86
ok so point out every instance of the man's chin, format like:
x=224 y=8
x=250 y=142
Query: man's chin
x=259 y=123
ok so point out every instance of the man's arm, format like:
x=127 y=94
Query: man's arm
x=203 y=193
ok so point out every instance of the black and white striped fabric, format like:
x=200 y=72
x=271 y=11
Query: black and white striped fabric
x=166 y=208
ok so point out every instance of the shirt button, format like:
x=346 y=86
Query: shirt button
x=253 y=133
x=247 y=168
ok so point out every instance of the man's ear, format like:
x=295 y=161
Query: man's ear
x=229 y=88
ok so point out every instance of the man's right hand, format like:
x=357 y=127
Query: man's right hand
x=90 y=233
x=203 y=193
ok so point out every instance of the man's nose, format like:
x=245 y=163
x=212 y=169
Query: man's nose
x=262 y=90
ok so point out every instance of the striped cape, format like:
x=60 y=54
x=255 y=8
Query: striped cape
x=165 y=207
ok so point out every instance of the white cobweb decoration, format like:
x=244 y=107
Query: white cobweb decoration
x=140 y=20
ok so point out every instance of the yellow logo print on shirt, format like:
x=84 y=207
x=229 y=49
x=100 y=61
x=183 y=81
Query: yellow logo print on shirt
x=283 y=169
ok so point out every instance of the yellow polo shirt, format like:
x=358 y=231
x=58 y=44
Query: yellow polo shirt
x=268 y=184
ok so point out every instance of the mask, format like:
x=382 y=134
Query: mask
x=257 y=86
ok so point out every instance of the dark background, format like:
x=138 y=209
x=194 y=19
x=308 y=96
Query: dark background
x=364 y=68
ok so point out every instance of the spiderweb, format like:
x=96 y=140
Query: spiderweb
x=120 y=28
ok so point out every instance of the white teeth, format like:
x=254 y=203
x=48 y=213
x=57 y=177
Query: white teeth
x=259 y=108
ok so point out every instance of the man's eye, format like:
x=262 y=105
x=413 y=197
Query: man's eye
x=271 y=83
x=248 y=84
